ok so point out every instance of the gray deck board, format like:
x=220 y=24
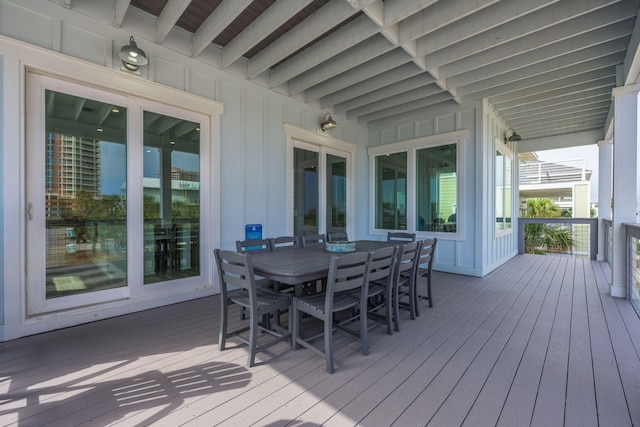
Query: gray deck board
x=539 y=341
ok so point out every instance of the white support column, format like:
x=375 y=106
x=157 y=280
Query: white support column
x=625 y=173
x=605 y=178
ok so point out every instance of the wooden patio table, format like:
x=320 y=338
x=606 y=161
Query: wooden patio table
x=296 y=266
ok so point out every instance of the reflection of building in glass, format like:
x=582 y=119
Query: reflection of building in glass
x=185 y=186
x=73 y=165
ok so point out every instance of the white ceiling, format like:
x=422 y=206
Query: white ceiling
x=547 y=66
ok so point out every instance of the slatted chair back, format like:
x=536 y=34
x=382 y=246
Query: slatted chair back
x=256 y=245
x=312 y=240
x=382 y=264
x=399 y=236
x=338 y=236
x=238 y=286
x=405 y=280
x=284 y=242
x=424 y=267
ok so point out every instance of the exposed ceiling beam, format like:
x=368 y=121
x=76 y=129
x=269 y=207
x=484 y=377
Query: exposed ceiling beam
x=274 y=17
x=405 y=107
x=429 y=91
x=121 y=7
x=215 y=23
x=170 y=14
x=396 y=11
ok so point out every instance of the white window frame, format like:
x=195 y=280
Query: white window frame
x=297 y=137
x=410 y=147
x=507 y=154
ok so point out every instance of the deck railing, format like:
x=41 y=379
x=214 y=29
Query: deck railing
x=633 y=264
x=584 y=231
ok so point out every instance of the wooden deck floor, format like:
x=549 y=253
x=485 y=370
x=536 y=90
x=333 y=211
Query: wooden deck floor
x=537 y=342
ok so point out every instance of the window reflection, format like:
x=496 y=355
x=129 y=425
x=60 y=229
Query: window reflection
x=391 y=191
x=171 y=174
x=436 y=187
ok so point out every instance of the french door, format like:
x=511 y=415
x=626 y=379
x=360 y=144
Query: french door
x=113 y=196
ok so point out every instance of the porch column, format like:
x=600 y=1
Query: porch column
x=605 y=157
x=625 y=173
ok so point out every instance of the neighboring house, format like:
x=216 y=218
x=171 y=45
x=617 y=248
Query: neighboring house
x=566 y=184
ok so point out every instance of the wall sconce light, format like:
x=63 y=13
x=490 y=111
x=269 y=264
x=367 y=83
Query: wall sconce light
x=327 y=122
x=132 y=56
x=511 y=135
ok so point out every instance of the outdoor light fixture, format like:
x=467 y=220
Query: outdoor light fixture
x=327 y=122
x=511 y=135
x=132 y=56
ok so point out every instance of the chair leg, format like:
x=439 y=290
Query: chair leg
x=364 y=336
x=328 y=341
x=294 y=321
x=396 y=308
x=222 y=339
x=429 y=291
x=412 y=299
x=253 y=339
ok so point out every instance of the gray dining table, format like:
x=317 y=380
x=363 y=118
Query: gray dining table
x=297 y=266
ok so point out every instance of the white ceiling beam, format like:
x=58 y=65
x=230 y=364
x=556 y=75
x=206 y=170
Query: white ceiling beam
x=508 y=40
x=362 y=72
x=523 y=78
x=439 y=15
x=409 y=106
x=584 y=120
x=397 y=10
x=565 y=128
x=308 y=30
x=170 y=14
x=340 y=40
x=430 y=91
x=121 y=7
x=352 y=57
x=378 y=95
x=567 y=114
x=631 y=65
x=531 y=44
x=479 y=22
x=374 y=9
x=271 y=19
x=541 y=60
x=215 y=23
x=554 y=110
x=543 y=92
x=379 y=81
x=560 y=103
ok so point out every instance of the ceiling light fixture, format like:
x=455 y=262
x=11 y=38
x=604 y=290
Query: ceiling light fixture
x=511 y=135
x=132 y=56
x=327 y=122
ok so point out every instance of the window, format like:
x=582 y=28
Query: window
x=503 y=194
x=319 y=184
x=416 y=184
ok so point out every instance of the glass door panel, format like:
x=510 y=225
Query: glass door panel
x=336 y=194
x=306 y=194
x=85 y=195
x=171 y=198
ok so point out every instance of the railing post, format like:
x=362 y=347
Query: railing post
x=605 y=178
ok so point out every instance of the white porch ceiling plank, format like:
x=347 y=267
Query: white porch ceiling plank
x=523 y=78
x=545 y=133
x=344 y=61
x=305 y=32
x=397 y=10
x=531 y=44
x=578 y=100
x=430 y=91
x=362 y=72
x=170 y=14
x=586 y=120
x=379 y=81
x=579 y=111
x=439 y=15
x=274 y=17
x=381 y=94
x=403 y=108
x=478 y=23
x=509 y=39
x=541 y=60
x=121 y=7
x=535 y=94
x=215 y=23
x=339 y=41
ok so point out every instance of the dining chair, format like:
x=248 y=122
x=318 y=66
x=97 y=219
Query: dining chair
x=400 y=236
x=258 y=245
x=404 y=282
x=346 y=272
x=379 y=293
x=312 y=240
x=238 y=286
x=424 y=267
x=338 y=236
x=284 y=242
